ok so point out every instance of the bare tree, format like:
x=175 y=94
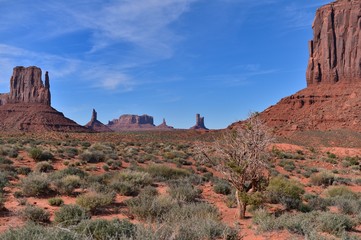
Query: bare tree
x=241 y=155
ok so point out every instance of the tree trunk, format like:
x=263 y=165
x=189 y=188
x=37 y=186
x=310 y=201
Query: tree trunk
x=241 y=207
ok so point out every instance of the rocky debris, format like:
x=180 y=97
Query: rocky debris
x=26 y=86
x=132 y=122
x=164 y=125
x=332 y=99
x=27 y=106
x=335 y=51
x=199 y=123
x=95 y=125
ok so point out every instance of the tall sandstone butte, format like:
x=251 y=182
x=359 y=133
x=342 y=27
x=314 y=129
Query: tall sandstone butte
x=335 y=51
x=26 y=86
x=28 y=105
x=332 y=99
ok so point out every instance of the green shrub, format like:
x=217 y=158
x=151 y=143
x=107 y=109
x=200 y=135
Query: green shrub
x=31 y=231
x=35 y=214
x=24 y=170
x=322 y=179
x=265 y=222
x=43 y=167
x=69 y=215
x=68 y=184
x=35 y=185
x=287 y=165
x=125 y=188
x=183 y=192
x=139 y=179
x=94 y=202
x=101 y=229
x=334 y=223
x=55 y=201
x=222 y=187
x=162 y=172
x=148 y=207
x=341 y=191
x=285 y=191
x=93 y=157
x=38 y=155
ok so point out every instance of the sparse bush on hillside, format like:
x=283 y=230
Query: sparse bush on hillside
x=284 y=191
x=92 y=157
x=69 y=215
x=67 y=184
x=94 y=202
x=38 y=155
x=43 y=167
x=55 y=201
x=184 y=192
x=101 y=229
x=324 y=179
x=341 y=191
x=163 y=172
x=35 y=185
x=222 y=187
x=35 y=214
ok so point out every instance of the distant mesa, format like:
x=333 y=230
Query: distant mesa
x=95 y=125
x=199 y=123
x=28 y=105
x=164 y=125
x=131 y=122
x=332 y=99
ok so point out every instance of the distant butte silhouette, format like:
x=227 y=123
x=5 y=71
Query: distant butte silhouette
x=95 y=125
x=28 y=105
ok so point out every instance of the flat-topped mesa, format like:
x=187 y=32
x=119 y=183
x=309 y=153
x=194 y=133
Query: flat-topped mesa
x=335 y=51
x=199 y=123
x=131 y=122
x=26 y=86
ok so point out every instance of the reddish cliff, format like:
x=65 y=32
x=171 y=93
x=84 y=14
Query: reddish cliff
x=27 y=106
x=335 y=51
x=332 y=99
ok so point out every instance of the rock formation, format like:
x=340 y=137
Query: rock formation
x=132 y=122
x=335 y=51
x=199 y=123
x=27 y=106
x=332 y=99
x=95 y=125
x=164 y=126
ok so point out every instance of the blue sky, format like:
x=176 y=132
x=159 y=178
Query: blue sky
x=165 y=58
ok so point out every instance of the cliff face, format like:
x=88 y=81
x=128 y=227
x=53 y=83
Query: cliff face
x=27 y=106
x=332 y=99
x=335 y=51
x=26 y=86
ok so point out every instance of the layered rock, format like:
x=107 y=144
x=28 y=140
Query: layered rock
x=26 y=86
x=335 y=51
x=199 y=123
x=164 y=126
x=27 y=106
x=131 y=122
x=332 y=99
x=95 y=125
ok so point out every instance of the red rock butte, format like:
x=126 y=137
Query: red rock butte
x=27 y=106
x=332 y=99
x=95 y=125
